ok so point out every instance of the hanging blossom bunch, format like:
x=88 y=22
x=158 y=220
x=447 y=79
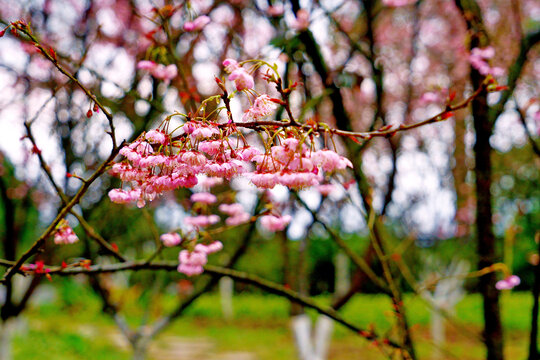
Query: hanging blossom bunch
x=160 y=161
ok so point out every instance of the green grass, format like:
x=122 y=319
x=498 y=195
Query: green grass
x=78 y=330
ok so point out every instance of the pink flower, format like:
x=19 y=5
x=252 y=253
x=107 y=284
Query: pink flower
x=247 y=153
x=190 y=270
x=231 y=209
x=242 y=80
x=197 y=24
x=431 y=97
x=275 y=223
x=485 y=53
x=276 y=10
x=397 y=3
x=210 y=248
x=302 y=20
x=238 y=219
x=326 y=189
x=329 y=160
x=65 y=234
x=163 y=72
x=298 y=180
x=194 y=158
x=210 y=182
x=120 y=196
x=146 y=65
x=262 y=107
x=158 y=71
x=201 y=220
x=478 y=61
x=191 y=263
x=226 y=170
x=203 y=132
x=211 y=147
x=265 y=180
x=156 y=136
x=170 y=239
x=204 y=198
x=508 y=283
x=236 y=212
x=230 y=65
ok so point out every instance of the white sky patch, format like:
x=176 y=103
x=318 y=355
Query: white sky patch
x=204 y=73
x=170 y=215
x=351 y=219
x=311 y=197
x=298 y=227
x=509 y=132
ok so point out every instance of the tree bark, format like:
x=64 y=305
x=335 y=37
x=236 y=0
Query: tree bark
x=493 y=332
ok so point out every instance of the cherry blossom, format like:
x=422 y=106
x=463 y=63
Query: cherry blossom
x=508 y=283
x=191 y=263
x=170 y=239
x=159 y=71
x=65 y=234
x=236 y=213
x=398 y=3
x=204 y=198
x=201 y=220
x=478 y=59
x=197 y=24
x=275 y=223
x=242 y=79
x=262 y=107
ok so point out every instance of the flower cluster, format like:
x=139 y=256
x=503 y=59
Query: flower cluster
x=191 y=263
x=478 y=59
x=236 y=213
x=204 y=150
x=159 y=161
x=65 y=234
x=294 y=165
x=159 y=71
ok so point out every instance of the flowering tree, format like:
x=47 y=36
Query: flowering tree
x=191 y=102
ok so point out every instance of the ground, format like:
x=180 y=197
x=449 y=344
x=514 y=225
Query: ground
x=259 y=331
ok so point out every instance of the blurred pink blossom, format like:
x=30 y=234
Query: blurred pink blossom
x=170 y=239
x=275 y=223
x=197 y=24
x=508 y=283
x=204 y=198
x=65 y=234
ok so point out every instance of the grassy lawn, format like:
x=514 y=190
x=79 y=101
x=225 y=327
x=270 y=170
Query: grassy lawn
x=79 y=330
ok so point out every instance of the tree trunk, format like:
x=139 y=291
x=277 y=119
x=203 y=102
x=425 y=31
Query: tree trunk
x=6 y=329
x=493 y=332
x=140 y=348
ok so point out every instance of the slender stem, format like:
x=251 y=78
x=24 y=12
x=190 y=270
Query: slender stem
x=50 y=55
x=63 y=212
x=244 y=277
